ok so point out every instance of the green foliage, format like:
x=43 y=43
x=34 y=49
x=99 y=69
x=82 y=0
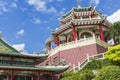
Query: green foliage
x=115 y=31
x=106 y=70
x=67 y=74
x=108 y=73
x=106 y=62
x=93 y=64
x=84 y=75
x=80 y=75
x=113 y=54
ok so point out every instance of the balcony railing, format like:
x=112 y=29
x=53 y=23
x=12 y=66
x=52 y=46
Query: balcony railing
x=74 y=44
x=16 y=63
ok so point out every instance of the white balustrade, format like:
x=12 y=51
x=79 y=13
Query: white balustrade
x=78 y=43
x=84 y=63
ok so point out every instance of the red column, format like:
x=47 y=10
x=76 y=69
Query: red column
x=57 y=40
x=74 y=33
x=52 y=77
x=101 y=33
x=38 y=78
x=32 y=78
x=12 y=75
x=59 y=57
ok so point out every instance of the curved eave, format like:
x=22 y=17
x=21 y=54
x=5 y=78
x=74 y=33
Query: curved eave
x=67 y=14
x=25 y=55
x=49 y=40
x=53 y=68
x=37 y=68
x=77 y=22
x=64 y=27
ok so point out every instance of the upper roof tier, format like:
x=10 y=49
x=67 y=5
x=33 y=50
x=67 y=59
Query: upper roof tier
x=81 y=16
x=81 y=9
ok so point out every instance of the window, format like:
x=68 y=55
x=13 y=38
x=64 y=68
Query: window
x=86 y=35
x=47 y=63
x=55 y=61
x=63 y=62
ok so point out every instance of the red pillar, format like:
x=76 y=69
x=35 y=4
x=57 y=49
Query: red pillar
x=38 y=78
x=74 y=33
x=32 y=78
x=57 y=40
x=12 y=75
x=52 y=77
x=101 y=33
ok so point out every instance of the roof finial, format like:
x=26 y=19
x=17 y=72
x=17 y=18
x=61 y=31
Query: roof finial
x=78 y=3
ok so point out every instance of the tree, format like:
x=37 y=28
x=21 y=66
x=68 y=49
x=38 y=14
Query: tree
x=115 y=31
x=108 y=73
x=84 y=75
x=93 y=64
x=80 y=75
x=113 y=54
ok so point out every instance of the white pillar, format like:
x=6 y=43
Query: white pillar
x=79 y=65
x=25 y=77
x=74 y=67
x=7 y=77
x=88 y=57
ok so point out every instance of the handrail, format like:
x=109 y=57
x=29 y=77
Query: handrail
x=74 y=44
x=84 y=63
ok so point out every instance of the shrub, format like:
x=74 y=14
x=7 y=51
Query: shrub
x=108 y=73
x=84 y=75
x=93 y=64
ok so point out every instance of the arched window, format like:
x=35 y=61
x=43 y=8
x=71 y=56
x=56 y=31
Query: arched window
x=70 y=38
x=86 y=35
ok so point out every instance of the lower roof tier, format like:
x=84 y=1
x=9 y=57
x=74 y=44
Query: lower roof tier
x=56 y=69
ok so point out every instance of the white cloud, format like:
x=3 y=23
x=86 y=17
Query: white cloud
x=20 y=32
x=51 y=9
x=19 y=47
x=114 y=17
x=37 y=21
x=3 y=7
x=95 y=2
x=41 y=5
x=14 y=5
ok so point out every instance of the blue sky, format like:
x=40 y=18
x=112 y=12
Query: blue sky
x=27 y=24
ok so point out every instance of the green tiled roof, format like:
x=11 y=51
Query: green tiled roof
x=41 y=68
x=6 y=47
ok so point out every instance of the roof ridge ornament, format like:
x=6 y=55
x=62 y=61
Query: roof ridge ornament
x=79 y=4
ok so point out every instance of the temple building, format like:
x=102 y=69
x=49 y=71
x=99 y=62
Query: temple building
x=83 y=33
x=16 y=65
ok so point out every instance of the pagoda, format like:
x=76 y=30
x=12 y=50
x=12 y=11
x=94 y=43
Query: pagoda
x=83 y=33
